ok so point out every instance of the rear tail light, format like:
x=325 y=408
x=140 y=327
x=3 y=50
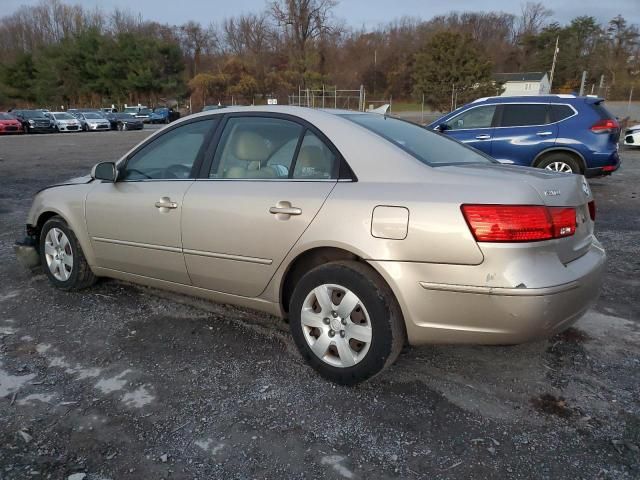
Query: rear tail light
x=608 y=168
x=519 y=223
x=592 y=210
x=605 y=126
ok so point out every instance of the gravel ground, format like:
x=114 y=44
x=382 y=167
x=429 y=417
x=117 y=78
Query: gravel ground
x=121 y=381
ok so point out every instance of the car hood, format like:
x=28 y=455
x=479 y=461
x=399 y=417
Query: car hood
x=72 y=181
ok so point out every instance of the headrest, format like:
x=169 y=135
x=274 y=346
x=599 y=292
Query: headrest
x=250 y=147
x=312 y=163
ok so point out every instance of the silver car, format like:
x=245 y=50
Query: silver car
x=364 y=231
x=65 y=122
x=93 y=121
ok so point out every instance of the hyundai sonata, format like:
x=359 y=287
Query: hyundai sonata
x=364 y=231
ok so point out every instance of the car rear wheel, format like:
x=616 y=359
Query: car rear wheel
x=560 y=162
x=62 y=258
x=346 y=322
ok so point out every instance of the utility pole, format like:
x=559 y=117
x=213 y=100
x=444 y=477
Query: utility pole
x=553 y=65
x=584 y=79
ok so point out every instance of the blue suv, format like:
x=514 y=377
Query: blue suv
x=564 y=133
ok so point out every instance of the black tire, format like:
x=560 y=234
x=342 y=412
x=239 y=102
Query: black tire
x=560 y=157
x=119 y=127
x=81 y=275
x=385 y=317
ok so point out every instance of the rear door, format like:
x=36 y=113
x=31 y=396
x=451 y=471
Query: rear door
x=473 y=127
x=523 y=130
x=268 y=179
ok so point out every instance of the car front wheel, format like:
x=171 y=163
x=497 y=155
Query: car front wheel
x=62 y=257
x=346 y=322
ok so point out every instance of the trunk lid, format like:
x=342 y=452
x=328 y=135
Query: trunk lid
x=554 y=190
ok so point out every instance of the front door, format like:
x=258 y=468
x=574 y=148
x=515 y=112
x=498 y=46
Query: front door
x=473 y=127
x=134 y=223
x=268 y=180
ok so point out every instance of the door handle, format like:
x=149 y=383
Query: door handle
x=285 y=208
x=483 y=137
x=544 y=134
x=165 y=202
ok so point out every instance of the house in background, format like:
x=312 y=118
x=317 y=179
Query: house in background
x=527 y=83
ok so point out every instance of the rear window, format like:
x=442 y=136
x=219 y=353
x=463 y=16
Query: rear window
x=602 y=111
x=523 y=115
x=428 y=147
x=561 y=112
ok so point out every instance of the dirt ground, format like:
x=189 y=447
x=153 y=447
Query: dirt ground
x=121 y=381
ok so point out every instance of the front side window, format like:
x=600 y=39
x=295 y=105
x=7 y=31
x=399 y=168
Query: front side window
x=428 y=147
x=479 y=117
x=516 y=115
x=170 y=156
x=256 y=148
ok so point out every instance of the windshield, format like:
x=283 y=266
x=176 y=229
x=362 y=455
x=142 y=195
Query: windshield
x=144 y=111
x=124 y=116
x=93 y=116
x=6 y=116
x=63 y=116
x=428 y=147
x=131 y=110
x=33 y=114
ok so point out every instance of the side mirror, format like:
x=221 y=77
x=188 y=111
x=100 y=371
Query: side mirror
x=443 y=127
x=106 y=171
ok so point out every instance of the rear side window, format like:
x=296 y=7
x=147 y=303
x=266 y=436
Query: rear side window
x=523 y=115
x=560 y=112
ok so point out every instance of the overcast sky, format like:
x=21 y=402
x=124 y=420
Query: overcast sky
x=357 y=13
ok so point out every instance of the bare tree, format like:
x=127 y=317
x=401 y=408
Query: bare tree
x=303 y=21
x=196 y=41
x=534 y=16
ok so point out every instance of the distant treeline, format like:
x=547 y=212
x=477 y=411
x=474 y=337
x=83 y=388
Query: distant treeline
x=57 y=53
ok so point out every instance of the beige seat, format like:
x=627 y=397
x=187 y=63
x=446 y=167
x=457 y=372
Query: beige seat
x=312 y=163
x=252 y=150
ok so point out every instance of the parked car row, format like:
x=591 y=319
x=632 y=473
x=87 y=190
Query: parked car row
x=87 y=120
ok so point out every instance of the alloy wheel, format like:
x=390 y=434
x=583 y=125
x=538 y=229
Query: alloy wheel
x=336 y=325
x=58 y=254
x=559 y=167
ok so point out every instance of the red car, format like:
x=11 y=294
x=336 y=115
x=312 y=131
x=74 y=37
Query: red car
x=9 y=124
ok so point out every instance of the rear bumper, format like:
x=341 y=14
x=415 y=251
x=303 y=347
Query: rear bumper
x=451 y=313
x=607 y=167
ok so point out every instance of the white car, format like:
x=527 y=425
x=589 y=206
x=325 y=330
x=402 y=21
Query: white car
x=65 y=122
x=632 y=136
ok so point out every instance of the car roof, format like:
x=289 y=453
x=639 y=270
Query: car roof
x=558 y=98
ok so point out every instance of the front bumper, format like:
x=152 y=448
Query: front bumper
x=100 y=126
x=27 y=252
x=437 y=312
